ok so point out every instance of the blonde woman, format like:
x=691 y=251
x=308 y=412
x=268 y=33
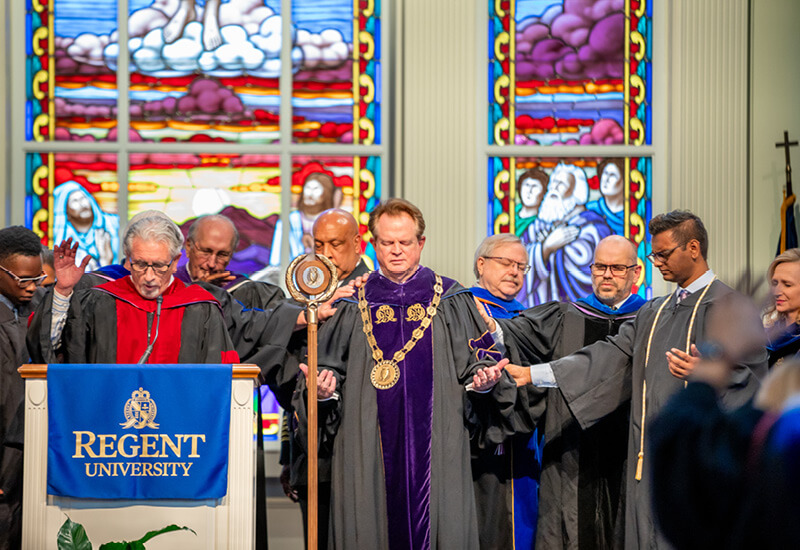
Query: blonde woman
x=781 y=318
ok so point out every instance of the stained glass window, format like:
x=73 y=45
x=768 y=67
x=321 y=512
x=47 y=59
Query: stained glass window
x=336 y=94
x=199 y=120
x=245 y=188
x=71 y=92
x=569 y=72
x=74 y=195
x=560 y=230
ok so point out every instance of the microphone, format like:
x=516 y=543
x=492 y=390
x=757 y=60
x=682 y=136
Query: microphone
x=149 y=350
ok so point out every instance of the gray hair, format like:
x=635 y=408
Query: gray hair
x=156 y=229
x=487 y=246
x=195 y=227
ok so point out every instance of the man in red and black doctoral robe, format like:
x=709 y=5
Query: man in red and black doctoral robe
x=147 y=316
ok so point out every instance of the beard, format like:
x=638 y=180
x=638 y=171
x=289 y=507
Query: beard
x=555 y=208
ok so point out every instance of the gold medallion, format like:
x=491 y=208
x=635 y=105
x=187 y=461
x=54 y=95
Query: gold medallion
x=415 y=313
x=384 y=375
x=385 y=314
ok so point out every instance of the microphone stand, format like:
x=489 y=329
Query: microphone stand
x=146 y=355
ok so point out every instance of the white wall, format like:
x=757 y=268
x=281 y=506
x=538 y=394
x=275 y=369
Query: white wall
x=775 y=107
x=5 y=207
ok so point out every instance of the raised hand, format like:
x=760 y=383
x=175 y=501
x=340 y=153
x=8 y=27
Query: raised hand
x=67 y=273
x=681 y=364
x=490 y=324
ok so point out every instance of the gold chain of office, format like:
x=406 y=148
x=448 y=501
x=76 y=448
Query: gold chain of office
x=386 y=373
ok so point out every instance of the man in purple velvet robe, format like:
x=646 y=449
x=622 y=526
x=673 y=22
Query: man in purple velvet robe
x=415 y=377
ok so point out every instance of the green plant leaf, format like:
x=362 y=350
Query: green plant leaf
x=72 y=536
x=139 y=544
x=167 y=529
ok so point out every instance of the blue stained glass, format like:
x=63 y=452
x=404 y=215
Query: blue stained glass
x=28 y=121
x=377 y=37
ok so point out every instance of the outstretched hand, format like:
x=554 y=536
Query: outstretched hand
x=326 y=382
x=360 y=281
x=521 y=375
x=219 y=278
x=67 y=273
x=326 y=309
x=486 y=378
x=490 y=324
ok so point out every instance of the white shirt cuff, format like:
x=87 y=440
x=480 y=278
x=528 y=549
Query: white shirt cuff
x=542 y=376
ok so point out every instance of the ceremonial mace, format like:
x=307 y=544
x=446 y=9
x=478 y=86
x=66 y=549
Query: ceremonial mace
x=311 y=279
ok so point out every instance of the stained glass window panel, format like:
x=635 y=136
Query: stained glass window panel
x=570 y=72
x=318 y=183
x=203 y=71
x=71 y=87
x=336 y=96
x=74 y=195
x=246 y=188
x=561 y=209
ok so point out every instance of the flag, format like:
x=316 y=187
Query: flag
x=788 y=237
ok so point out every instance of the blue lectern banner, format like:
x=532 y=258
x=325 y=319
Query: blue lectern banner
x=138 y=431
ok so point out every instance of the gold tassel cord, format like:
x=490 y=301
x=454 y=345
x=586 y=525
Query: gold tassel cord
x=640 y=457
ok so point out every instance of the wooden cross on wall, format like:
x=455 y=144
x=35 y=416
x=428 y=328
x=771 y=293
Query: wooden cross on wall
x=786 y=144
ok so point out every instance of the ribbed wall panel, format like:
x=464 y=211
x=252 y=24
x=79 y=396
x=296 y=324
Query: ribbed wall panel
x=439 y=98
x=708 y=130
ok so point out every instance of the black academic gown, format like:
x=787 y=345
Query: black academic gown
x=13 y=353
x=293 y=452
x=581 y=494
x=256 y=294
x=359 y=498
x=90 y=331
x=598 y=379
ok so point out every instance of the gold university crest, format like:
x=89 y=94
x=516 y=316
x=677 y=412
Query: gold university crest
x=140 y=411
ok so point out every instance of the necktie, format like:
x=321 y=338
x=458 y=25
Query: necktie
x=682 y=295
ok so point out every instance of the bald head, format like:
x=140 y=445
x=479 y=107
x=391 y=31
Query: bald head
x=337 y=238
x=210 y=245
x=617 y=246
x=615 y=269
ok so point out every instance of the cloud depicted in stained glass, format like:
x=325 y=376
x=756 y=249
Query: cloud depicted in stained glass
x=251 y=44
x=580 y=40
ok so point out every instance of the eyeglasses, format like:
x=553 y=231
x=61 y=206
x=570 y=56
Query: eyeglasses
x=221 y=257
x=662 y=257
x=618 y=270
x=506 y=262
x=140 y=266
x=24 y=282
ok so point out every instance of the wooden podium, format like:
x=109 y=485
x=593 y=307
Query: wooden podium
x=226 y=523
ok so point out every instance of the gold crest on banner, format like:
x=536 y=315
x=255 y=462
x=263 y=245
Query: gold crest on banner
x=140 y=411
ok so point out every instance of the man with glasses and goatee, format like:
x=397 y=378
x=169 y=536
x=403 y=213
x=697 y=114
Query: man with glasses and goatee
x=141 y=317
x=647 y=361
x=21 y=277
x=581 y=478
